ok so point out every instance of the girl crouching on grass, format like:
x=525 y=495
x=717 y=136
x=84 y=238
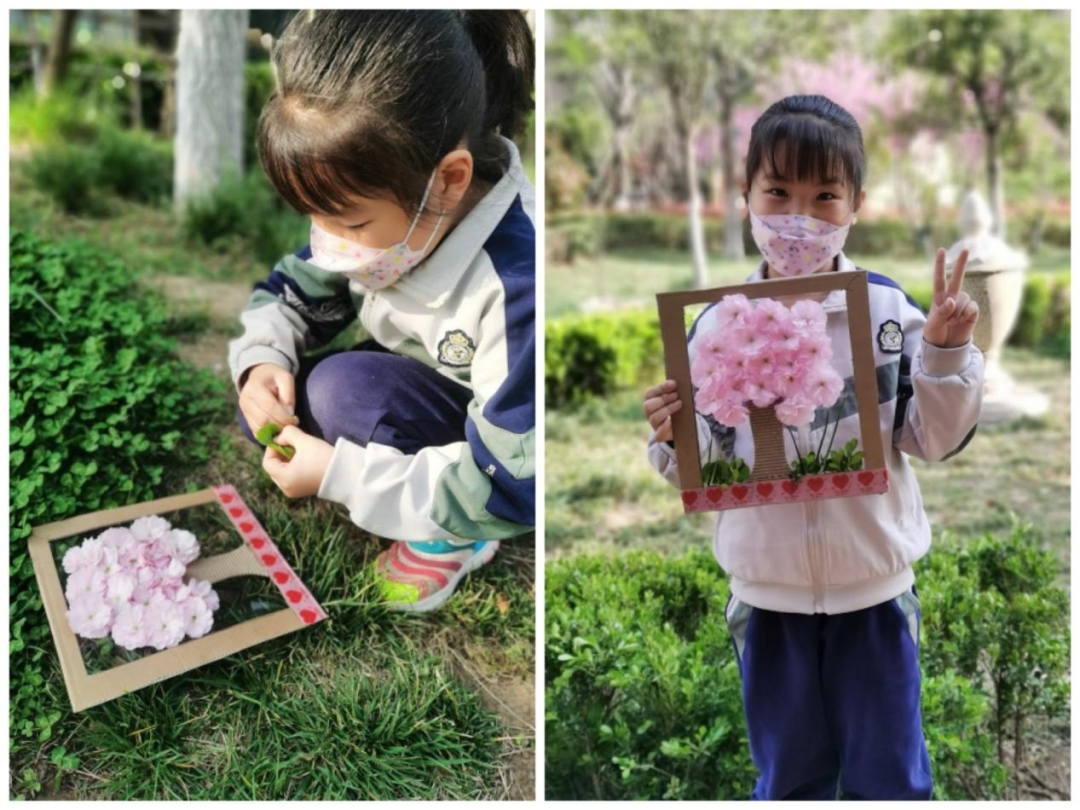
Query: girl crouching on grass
x=391 y=130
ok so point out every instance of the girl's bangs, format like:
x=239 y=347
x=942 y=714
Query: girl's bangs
x=307 y=168
x=803 y=148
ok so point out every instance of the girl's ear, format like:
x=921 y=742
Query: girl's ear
x=453 y=177
x=860 y=200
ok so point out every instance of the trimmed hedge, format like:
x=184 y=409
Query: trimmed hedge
x=593 y=355
x=593 y=233
x=597 y=354
x=644 y=697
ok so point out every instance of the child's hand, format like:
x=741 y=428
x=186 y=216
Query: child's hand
x=268 y=395
x=661 y=402
x=303 y=475
x=953 y=313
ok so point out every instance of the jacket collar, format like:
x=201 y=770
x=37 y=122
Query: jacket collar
x=435 y=279
x=834 y=300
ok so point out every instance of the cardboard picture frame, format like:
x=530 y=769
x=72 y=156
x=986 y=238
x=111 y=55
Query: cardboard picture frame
x=872 y=479
x=257 y=555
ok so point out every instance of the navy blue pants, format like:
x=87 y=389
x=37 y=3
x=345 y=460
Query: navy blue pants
x=832 y=701
x=368 y=394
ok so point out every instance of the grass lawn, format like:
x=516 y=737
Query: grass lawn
x=366 y=705
x=632 y=279
x=603 y=496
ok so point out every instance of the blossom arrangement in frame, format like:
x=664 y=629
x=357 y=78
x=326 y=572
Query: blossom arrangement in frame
x=254 y=566
x=762 y=365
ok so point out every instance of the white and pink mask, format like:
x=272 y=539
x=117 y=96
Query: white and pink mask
x=795 y=245
x=373 y=268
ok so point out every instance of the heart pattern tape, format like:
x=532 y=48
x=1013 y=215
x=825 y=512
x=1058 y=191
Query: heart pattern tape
x=784 y=490
x=295 y=593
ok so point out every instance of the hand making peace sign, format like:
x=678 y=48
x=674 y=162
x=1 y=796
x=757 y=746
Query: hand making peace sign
x=953 y=313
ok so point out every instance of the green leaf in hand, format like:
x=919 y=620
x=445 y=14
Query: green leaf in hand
x=266 y=436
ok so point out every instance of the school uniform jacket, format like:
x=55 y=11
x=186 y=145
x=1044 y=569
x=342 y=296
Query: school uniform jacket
x=845 y=554
x=467 y=311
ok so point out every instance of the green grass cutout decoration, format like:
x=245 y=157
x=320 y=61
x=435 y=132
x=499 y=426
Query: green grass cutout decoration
x=266 y=436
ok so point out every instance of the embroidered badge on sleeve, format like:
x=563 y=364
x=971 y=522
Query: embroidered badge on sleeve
x=890 y=338
x=456 y=349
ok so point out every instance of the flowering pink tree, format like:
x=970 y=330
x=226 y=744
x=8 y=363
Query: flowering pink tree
x=765 y=354
x=767 y=360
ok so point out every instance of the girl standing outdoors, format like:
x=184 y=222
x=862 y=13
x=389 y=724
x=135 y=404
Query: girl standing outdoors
x=824 y=614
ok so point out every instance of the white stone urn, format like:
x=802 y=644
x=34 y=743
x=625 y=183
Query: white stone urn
x=995 y=279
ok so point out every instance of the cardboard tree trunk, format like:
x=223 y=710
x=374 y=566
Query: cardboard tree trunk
x=256 y=556
x=770 y=459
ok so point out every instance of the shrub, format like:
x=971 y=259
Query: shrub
x=1034 y=307
x=135 y=164
x=603 y=231
x=68 y=173
x=594 y=355
x=999 y=619
x=247 y=208
x=643 y=692
x=63 y=117
x=98 y=404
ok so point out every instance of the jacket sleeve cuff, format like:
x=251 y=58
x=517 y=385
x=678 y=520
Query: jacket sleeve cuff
x=257 y=355
x=339 y=482
x=941 y=362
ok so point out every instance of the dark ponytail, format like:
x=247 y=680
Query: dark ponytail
x=505 y=44
x=807 y=138
x=369 y=102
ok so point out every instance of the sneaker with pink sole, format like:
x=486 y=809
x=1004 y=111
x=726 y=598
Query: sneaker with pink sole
x=418 y=577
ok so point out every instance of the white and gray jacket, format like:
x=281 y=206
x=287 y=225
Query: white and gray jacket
x=845 y=554
x=468 y=311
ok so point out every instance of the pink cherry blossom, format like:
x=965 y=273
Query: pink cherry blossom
x=115 y=537
x=87 y=555
x=184 y=546
x=120 y=587
x=761 y=396
x=808 y=315
x=730 y=414
x=131 y=629
x=110 y=561
x=164 y=624
x=151 y=527
x=205 y=591
x=824 y=386
x=733 y=310
x=795 y=411
x=770 y=316
x=198 y=618
x=86 y=582
x=90 y=616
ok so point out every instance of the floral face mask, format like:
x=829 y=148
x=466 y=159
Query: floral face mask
x=373 y=268
x=795 y=245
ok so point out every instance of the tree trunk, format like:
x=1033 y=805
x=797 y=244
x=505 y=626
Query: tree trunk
x=209 y=101
x=995 y=181
x=56 y=62
x=733 y=235
x=770 y=458
x=693 y=208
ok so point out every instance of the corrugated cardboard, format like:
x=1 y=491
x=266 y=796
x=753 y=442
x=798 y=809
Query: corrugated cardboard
x=86 y=690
